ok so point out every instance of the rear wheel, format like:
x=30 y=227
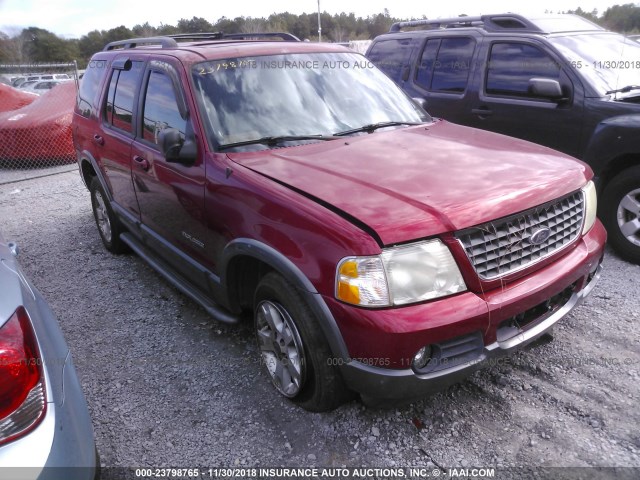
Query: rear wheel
x=108 y=226
x=620 y=213
x=294 y=351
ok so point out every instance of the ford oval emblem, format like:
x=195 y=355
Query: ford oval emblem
x=539 y=236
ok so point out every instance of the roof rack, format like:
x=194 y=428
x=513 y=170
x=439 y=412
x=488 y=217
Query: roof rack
x=197 y=36
x=171 y=41
x=287 y=37
x=496 y=23
x=164 y=42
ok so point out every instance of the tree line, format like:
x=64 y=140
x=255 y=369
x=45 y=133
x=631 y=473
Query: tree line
x=35 y=45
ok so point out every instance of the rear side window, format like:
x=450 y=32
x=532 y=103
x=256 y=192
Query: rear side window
x=512 y=65
x=121 y=97
x=161 y=108
x=445 y=63
x=89 y=86
x=391 y=56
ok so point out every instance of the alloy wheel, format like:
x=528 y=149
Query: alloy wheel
x=281 y=348
x=628 y=216
x=102 y=216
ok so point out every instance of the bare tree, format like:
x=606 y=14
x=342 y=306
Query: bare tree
x=253 y=25
x=338 y=33
x=12 y=47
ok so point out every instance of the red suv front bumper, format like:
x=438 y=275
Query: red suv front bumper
x=463 y=330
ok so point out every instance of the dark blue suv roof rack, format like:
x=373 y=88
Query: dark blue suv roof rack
x=503 y=22
x=488 y=22
x=171 y=41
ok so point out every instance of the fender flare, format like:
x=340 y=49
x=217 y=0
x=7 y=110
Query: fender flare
x=85 y=157
x=276 y=260
x=613 y=138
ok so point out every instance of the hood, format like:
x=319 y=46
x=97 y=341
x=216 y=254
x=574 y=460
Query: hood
x=411 y=183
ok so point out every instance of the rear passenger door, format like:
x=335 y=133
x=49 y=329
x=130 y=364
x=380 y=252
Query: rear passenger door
x=442 y=75
x=117 y=130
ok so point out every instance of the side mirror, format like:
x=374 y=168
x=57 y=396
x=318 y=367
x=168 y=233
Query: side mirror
x=175 y=148
x=546 y=88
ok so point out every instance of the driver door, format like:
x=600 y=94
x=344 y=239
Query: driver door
x=170 y=194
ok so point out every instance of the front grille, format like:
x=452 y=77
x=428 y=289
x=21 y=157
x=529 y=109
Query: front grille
x=504 y=246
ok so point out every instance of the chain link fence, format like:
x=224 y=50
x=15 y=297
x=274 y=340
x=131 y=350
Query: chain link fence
x=36 y=108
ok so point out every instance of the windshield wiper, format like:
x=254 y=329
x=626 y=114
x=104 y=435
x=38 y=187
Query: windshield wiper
x=626 y=89
x=374 y=126
x=275 y=140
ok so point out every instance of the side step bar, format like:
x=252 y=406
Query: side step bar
x=213 y=309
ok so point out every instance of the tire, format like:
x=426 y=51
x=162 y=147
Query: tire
x=294 y=351
x=620 y=213
x=108 y=225
x=98 y=472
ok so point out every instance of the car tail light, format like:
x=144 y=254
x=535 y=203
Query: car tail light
x=22 y=392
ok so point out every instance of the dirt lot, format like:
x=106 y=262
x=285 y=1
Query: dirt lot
x=167 y=386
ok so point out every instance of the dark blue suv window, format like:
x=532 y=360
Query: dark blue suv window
x=512 y=65
x=391 y=56
x=424 y=74
x=445 y=63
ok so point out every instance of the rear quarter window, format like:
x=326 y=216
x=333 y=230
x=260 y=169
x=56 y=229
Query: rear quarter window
x=89 y=86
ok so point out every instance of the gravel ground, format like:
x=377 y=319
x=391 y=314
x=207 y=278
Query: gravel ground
x=168 y=386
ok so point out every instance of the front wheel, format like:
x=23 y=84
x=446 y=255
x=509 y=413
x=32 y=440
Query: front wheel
x=294 y=350
x=620 y=213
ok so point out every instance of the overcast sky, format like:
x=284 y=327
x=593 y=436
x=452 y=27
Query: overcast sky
x=74 y=18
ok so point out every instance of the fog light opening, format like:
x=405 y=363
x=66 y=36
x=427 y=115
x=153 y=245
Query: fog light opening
x=422 y=358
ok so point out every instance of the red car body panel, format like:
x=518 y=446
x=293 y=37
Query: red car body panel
x=421 y=181
x=394 y=335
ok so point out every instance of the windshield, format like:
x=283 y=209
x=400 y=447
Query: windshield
x=607 y=61
x=308 y=94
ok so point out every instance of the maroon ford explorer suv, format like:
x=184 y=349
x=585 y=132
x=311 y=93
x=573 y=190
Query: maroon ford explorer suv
x=377 y=250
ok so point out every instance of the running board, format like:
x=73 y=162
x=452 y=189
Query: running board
x=213 y=309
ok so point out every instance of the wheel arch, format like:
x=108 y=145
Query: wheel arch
x=613 y=147
x=615 y=166
x=246 y=261
x=89 y=169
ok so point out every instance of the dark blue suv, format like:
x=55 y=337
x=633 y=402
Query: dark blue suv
x=560 y=81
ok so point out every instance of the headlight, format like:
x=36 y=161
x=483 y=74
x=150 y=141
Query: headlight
x=590 y=207
x=362 y=281
x=399 y=276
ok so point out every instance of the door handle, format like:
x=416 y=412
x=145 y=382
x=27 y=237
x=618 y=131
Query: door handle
x=482 y=112
x=98 y=139
x=143 y=163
